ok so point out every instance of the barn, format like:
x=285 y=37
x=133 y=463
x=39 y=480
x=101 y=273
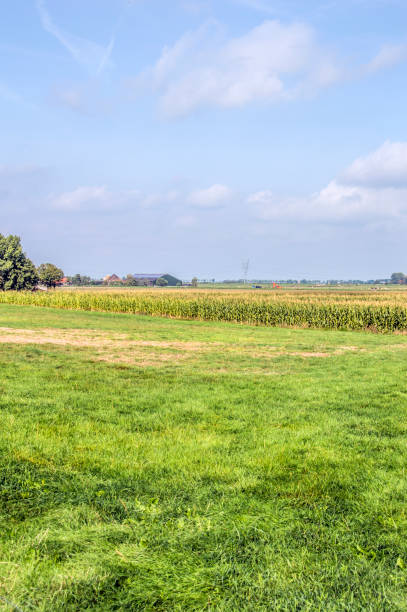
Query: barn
x=112 y=278
x=151 y=279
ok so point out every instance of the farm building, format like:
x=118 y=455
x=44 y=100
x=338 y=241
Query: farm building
x=151 y=279
x=113 y=278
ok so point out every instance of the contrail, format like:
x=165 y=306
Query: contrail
x=93 y=56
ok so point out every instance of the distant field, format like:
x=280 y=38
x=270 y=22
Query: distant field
x=328 y=309
x=265 y=287
x=304 y=287
x=156 y=464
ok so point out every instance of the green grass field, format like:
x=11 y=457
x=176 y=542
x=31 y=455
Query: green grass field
x=156 y=464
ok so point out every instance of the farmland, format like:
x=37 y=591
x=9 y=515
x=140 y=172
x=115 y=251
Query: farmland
x=327 y=309
x=149 y=463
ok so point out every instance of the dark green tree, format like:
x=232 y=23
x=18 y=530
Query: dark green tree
x=76 y=280
x=398 y=277
x=49 y=274
x=130 y=281
x=17 y=272
x=162 y=282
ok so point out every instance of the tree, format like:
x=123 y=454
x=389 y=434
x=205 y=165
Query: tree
x=49 y=274
x=130 y=281
x=162 y=282
x=75 y=280
x=17 y=272
x=398 y=277
x=194 y=282
x=78 y=280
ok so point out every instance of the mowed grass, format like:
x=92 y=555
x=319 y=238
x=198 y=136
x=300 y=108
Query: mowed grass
x=154 y=464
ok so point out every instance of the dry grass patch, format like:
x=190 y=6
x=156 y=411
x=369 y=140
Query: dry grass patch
x=119 y=348
x=92 y=339
x=139 y=358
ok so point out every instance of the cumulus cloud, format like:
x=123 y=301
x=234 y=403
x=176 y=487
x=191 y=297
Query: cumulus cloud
x=336 y=203
x=271 y=62
x=101 y=198
x=373 y=188
x=81 y=197
x=385 y=167
x=92 y=56
x=98 y=198
x=213 y=197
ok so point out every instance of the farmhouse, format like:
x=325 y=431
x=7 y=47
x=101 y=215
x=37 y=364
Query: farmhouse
x=113 y=278
x=151 y=279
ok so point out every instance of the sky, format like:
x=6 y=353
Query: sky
x=189 y=136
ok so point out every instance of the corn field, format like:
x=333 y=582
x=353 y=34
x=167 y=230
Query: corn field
x=351 y=310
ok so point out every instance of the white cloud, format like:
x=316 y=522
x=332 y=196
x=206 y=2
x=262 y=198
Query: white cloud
x=388 y=56
x=373 y=188
x=212 y=197
x=100 y=198
x=94 y=57
x=336 y=203
x=171 y=56
x=385 y=167
x=85 y=198
x=271 y=62
x=361 y=204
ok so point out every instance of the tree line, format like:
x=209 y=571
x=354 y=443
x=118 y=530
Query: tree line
x=78 y=280
x=17 y=271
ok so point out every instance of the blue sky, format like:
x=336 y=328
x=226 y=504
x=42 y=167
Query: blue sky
x=189 y=135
